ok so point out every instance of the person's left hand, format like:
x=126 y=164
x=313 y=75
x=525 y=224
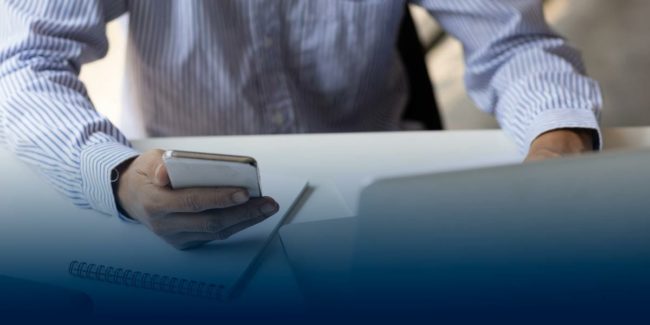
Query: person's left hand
x=559 y=143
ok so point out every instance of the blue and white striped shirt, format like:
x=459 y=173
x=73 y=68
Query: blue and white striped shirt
x=238 y=67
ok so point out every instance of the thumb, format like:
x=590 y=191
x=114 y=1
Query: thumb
x=160 y=175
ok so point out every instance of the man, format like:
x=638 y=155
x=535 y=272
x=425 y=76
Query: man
x=242 y=67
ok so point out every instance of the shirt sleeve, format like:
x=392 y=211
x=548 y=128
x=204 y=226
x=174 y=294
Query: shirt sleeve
x=46 y=117
x=518 y=69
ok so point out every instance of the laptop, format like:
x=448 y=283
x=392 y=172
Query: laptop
x=565 y=239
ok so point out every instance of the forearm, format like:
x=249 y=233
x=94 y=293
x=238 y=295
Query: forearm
x=540 y=88
x=46 y=117
x=528 y=77
x=60 y=134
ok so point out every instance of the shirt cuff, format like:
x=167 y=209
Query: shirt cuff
x=563 y=119
x=97 y=162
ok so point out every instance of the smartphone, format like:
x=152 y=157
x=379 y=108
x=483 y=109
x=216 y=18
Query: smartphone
x=198 y=169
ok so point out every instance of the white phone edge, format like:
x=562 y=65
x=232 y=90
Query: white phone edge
x=187 y=172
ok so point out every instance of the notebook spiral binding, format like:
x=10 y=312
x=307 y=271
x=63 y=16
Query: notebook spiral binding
x=145 y=280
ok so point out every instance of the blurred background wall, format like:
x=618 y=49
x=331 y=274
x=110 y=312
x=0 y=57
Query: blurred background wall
x=612 y=36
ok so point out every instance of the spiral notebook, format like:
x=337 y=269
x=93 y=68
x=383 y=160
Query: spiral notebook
x=144 y=280
x=132 y=256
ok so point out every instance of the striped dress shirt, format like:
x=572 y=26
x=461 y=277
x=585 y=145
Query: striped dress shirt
x=209 y=67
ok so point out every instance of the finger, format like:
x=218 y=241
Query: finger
x=199 y=199
x=187 y=240
x=226 y=233
x=216 y=221
x=541 y=154
x=160 y=175
x=189 y=245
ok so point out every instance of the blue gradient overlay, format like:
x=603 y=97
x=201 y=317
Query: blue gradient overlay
x=565 y=241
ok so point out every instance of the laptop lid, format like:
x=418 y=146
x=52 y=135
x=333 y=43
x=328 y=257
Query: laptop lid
x=566 y=237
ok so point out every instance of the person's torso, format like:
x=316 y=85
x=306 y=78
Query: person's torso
x=244 y=67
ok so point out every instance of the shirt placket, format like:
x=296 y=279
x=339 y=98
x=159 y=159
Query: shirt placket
x=275 y=98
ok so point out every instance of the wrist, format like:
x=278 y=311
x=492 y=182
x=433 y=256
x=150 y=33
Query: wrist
x=97 y=160
x=117 y=175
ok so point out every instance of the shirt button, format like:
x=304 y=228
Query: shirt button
x=268 y=42
x=278 y=118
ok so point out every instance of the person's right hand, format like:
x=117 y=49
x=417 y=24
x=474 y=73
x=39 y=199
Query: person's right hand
x=188 y=217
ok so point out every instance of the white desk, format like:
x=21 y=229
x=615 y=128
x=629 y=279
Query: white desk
x=346 y=160
x=336 y=166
